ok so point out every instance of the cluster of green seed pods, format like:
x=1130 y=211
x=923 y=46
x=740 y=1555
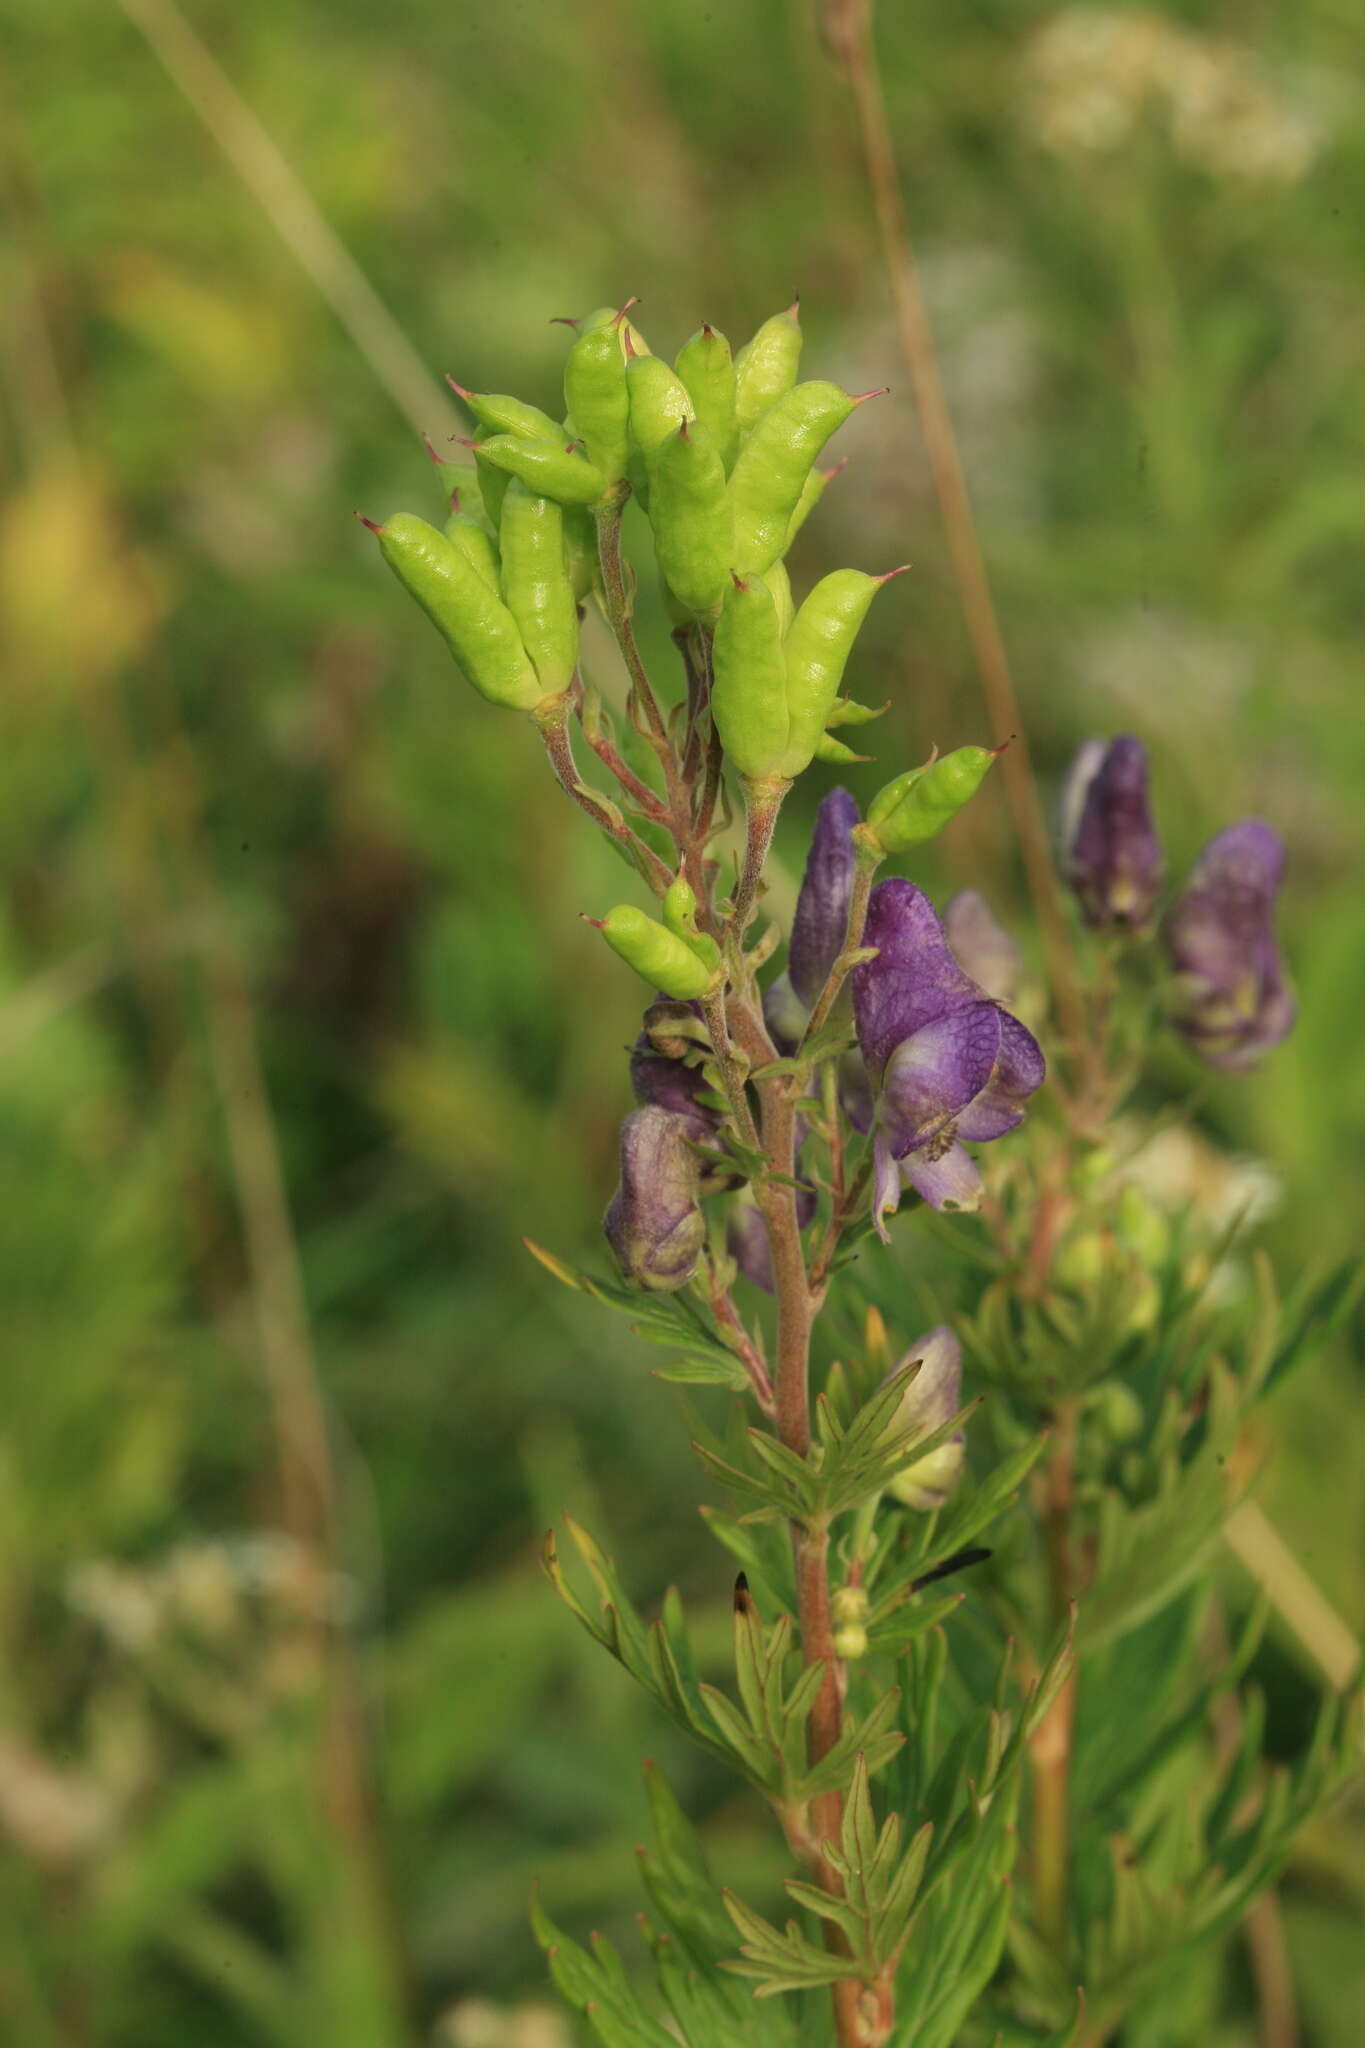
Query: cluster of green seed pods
x=721 y=450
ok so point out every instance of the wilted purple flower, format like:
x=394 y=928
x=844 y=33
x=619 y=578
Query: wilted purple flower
x=821 y=921
x=932 y=1398
x=948 y=1063
x=981 y=946
x=1231 y=1000
x=654 y=1224
x=1112 y=852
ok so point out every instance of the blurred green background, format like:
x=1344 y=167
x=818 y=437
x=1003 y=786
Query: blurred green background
x=299 y=1030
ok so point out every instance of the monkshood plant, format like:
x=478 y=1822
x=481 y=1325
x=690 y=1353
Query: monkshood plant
x=1027 y=1812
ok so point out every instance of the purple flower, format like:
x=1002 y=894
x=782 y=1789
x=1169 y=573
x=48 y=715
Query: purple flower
x=654 y=1224
x=821 y=921
x=947 y=1062
x=1113 y=856
x=932 y=1398
x=1231 y=1000
x=981 y=946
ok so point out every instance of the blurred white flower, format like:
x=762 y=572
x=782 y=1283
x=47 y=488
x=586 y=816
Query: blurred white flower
x=56 y=1817
x=477 y=2023
x=1178 y=1168
x=1093 y=74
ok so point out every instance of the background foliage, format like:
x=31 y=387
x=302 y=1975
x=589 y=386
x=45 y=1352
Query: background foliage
x=251 y=825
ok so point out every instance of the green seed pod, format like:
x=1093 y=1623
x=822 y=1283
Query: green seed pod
x=580 y=552
x=658 y=403
x=679 y=912
x=817 y=649
x=549 y=470
x=474 y=542
x=812 y=491
x=772 y=467
x=749 y=691
x=595 y=393
x=496 y=413
x=780 y=584
x=929 y=798
x=766 y=366
x=847 y=711
x=707 y=369
x=472 y=620
x=536 y=587
x=492 y=487
x=827 y=748
x=689 y=510
x=888 y=797
x=664 y=960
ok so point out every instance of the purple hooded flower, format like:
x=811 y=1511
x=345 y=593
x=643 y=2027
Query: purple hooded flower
x=654 y=1224
x=932 y=1398
x=948 y=1063
x=981 y=946
x=821 y=921
x=1231 y=998
x=1112 y=852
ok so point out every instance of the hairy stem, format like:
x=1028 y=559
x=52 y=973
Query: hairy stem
x=552 y=720
x=1050 y=1747
x=605 y=748
x=762 y=802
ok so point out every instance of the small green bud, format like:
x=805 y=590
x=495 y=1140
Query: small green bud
x=850 y=1603
x=850 y=1642
x=659 y=955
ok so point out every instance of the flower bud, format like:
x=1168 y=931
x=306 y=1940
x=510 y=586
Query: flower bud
x=850 y=1642
x=1231 y=1000
x=849 y=1603
x=932 y=1398
x=1112 y=852
x=654 y=1224
x=981 y=946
